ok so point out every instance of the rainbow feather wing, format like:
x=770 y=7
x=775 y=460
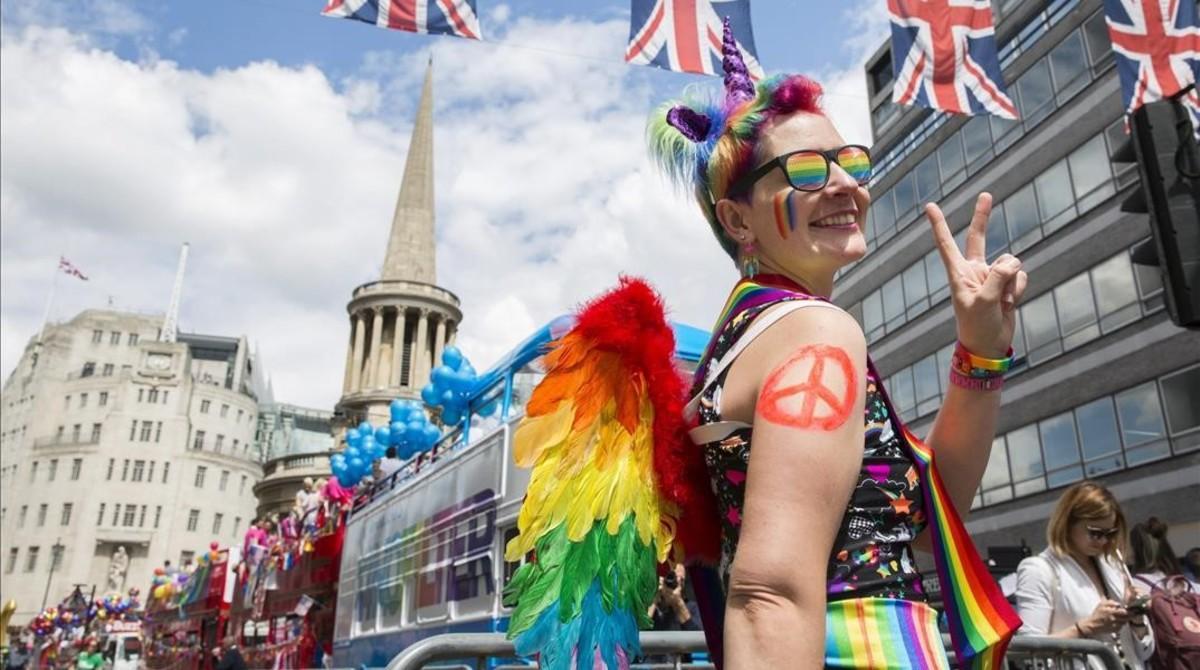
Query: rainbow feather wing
x=593 y=515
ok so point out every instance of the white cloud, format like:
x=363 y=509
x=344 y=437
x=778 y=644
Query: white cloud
x=846 y=100
x=284 y=184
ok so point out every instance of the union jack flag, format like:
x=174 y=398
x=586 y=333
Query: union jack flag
x=1156 y=44
x=944 y=57
x=434 y=17
x=685 y=35
x=67 y=267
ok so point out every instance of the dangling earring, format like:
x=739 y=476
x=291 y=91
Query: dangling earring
x=749 y=260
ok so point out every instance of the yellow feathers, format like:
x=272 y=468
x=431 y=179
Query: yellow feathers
x=587 y=434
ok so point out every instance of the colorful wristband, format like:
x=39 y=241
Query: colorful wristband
x=969 y=365
x=960 y=380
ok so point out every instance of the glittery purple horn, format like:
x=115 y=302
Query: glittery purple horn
x=738 y=86
x=691 y=123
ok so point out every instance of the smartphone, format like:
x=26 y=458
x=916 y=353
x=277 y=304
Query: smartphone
x=1139 y=605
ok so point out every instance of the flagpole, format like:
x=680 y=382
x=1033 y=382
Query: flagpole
x=49 y=302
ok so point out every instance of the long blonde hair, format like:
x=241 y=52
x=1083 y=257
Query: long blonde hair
x=1085 y=501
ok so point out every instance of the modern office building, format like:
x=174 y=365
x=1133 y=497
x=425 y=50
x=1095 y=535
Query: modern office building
x=1105 y=386
x=119 y=451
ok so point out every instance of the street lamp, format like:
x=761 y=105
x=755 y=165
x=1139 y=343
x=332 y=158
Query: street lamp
x=55 y=554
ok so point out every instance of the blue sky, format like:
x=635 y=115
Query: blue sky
x=272 y=139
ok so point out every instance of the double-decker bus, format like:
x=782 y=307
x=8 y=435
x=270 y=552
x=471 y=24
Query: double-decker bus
x=283 y=617
x=180 y=631
x=424 y=552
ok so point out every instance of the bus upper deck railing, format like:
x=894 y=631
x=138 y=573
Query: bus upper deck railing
x=1026 y=652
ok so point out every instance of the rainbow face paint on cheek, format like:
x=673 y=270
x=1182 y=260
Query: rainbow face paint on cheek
x=807 y=171
x=785 y=222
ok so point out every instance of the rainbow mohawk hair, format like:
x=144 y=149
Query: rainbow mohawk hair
x=704 y=143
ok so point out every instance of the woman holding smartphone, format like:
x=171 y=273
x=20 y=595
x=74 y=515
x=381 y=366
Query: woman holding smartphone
x=1079 y=587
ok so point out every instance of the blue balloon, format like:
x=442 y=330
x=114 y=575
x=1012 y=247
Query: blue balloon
x=357 y=465
x=382 y=434
x=353 y=437
x=431 y=434
x=353 y=453
x=451 y=417
x=346 y=480
x=415 y=414
x=447 y=399
x=440 y=374
x=396 y=431
x=488 y=409
x=452 y=357
x=365 y=428
x=396 y=409
x=429 y=394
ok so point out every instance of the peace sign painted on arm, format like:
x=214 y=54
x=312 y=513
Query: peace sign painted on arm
x=985 y=296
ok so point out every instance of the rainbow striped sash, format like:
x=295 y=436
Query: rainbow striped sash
x=883 y=634
x=981 y=621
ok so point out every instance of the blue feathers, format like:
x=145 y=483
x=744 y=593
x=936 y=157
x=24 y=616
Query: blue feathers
x=593 y=632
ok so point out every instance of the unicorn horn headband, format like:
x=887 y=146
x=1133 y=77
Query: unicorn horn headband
x=738 y=88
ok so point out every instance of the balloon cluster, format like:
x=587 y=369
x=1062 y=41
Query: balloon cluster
x=50 y=619
x=410 y=432
x=164 y=585
x=116 y=607
x=450 y=387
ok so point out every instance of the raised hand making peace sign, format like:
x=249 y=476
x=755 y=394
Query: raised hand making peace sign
x=985 y=296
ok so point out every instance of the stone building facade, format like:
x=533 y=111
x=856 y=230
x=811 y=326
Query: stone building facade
x=119 y=452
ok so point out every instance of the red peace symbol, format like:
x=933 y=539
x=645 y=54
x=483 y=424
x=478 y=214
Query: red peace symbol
x=810 y=391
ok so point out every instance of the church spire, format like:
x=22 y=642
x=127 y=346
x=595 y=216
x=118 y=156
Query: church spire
x=410 y=250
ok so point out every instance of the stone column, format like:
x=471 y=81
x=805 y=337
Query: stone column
x=452 y=333
x=420 y=355
x=383 y=373
x=376 y=339
x=349 y=356
x=397 y=379
x=439 y=339
x=360 y=334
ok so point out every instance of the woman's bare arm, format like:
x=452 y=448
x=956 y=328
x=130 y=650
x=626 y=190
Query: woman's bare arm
x=803 y=383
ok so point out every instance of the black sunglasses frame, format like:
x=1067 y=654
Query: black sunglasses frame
x=743 y=185
x=1105 y=534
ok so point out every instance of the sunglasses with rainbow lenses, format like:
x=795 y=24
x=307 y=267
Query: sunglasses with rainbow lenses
x=808 y=169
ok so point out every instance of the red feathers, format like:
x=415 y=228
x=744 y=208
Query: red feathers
x=630 y=321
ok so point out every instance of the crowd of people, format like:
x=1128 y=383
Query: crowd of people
x=1098 y=579
x=318 y=507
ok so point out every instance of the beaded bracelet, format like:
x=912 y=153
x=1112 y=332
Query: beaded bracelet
x=976 y=372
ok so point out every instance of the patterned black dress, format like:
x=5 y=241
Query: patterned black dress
x=872 y=554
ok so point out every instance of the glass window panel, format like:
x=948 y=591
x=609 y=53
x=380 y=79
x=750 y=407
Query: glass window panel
x=977 y=142
x=1006 y=131
x=1098 y=46
x=1150 y=452
x=1116 y=292
x=885 y=215
x=1064 y=476
x=928 y=179
x=915 y=289
x=1025 y=453
x=950 y=158
x=893 y=302
x=1076 y=312
x=1021 y=214
x=1103 y=464
x=1036 y=93
x=1115 y=136
x=1090 y=173
x=1181 y=397
x=1058 y=441
x=1068 y=65
x=996 y=474
x=1150 y=286
x=1041 y=328
x=925 y=382
x=900 y=390
x=1054 y=195
x=906 y=199
x=997 y=234
x=935 y=273
x=1140 y=415
x=1018 y=345
x=1098 y=428
x=872 y=313
x=856 y=312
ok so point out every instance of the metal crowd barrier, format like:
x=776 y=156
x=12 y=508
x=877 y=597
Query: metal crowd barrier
x=1026 y=652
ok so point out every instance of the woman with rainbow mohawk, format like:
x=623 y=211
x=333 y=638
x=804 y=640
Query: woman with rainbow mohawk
x=812 y=539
